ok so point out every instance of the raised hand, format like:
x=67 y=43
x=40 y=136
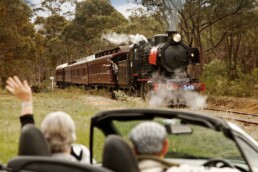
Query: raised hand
x=21 y=90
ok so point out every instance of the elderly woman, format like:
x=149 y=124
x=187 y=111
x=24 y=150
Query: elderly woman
x=59 y=131
x=57 y=127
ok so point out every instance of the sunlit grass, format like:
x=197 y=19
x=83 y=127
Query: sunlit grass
x=80 y=104
x=202 y=142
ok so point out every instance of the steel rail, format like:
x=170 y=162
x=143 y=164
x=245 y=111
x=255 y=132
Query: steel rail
x=237 y=119
x=229 y=111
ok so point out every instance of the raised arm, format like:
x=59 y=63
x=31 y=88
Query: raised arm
x=22 y=91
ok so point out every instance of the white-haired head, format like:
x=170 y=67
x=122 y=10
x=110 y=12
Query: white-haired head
x=148 y=137
x=59 y=130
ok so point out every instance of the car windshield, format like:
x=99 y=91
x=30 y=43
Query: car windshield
x=191 y=141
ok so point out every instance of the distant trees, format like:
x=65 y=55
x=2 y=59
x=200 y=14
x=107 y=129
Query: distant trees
x=92 y=19
x=216 y=27
x=50 y=42
x=58 y=7
x=143 y=22
x=224 y=30
x=17 y=47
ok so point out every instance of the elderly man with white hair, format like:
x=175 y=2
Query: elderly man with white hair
x=150 y=144
x=58 y=128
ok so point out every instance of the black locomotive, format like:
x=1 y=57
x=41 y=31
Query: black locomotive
x=159 y=64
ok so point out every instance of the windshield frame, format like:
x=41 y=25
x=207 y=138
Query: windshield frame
x=103 y=121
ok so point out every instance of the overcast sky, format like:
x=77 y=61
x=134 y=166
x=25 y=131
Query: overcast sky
x=120 y=5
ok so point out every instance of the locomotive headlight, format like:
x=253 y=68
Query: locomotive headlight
x=176 y=37
x=192 y=54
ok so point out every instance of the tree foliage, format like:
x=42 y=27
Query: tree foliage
x=16 y=37
x=142 y=22
x=58 y=7
x=224 y=30
x=92 y=18
x=212 y=25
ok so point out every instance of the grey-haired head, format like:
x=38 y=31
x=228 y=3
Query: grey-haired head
x=59 y=130
x=148 y=137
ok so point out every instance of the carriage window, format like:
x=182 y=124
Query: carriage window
x=84 y=71
x=96 y=69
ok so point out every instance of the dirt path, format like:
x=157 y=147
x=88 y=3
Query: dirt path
x=245 y=105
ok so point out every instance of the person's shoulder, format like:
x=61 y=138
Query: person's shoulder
x=63 y=156
x=81 y=153
x=157 y=159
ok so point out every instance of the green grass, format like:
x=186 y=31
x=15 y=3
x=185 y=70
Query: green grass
x=81 y=105
x=78 y=103
x=203 y=142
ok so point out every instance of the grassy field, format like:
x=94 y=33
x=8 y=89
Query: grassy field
x=80 y=104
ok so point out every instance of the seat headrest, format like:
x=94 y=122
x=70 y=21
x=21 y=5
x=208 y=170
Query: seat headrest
x=118 y=155
x=32 y=142
x=47 y=164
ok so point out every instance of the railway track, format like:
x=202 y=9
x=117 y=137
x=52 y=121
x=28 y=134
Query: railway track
x=245 y=118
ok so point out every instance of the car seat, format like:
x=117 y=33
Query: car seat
x=118 y=155
x=47 y=164
x=32 y=142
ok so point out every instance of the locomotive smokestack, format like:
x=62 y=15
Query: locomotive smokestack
x=170 y=33
x=160 y=38
x=174 y=36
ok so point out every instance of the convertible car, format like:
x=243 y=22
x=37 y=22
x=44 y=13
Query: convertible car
x=195 y=140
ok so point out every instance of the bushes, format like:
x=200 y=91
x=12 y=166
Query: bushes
x=215 y=76
x=45 y=86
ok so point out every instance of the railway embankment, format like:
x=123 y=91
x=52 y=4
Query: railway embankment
x=243 y=105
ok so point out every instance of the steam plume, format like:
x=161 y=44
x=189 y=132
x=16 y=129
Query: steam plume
x=117 y=39
x=164 y=96
x=171 y=10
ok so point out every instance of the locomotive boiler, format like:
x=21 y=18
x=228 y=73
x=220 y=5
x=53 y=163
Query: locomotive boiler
x=159 y=64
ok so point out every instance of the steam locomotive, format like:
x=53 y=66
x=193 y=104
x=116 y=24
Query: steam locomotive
x=159 y=64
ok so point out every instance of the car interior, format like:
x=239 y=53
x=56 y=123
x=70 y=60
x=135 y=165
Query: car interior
x=34 y=156
x=194 y=139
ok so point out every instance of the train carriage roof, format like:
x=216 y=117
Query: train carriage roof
x=62 y=66
x=113 y=51
x=104 y=54
x=83 y=60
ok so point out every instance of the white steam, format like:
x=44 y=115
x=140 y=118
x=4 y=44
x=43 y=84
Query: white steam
x=166 y=93
x=172 y=7
x=164 y=97
x=117 y=39
x=194 y=100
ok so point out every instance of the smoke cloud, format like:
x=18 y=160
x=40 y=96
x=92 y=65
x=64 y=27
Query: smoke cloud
x=171 y=10
x=118 y=39
x=165 y=94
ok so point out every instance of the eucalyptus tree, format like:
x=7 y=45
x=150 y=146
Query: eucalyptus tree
x=142 y=22
x=17 y=47
x=50 y=33
x=64 y=8
x=92 y=19
x=197 y=19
